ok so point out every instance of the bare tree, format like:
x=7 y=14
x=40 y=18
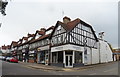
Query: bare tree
x=3 y=6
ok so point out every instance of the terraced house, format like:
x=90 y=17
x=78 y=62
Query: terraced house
x=70 y=43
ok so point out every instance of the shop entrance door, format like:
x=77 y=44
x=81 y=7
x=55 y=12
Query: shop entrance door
x=68 y=61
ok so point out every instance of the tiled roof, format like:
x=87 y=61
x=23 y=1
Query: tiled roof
x=25 y=38
x=8 y=46
x=52 y=27
x=30 y=35
x=14 y=43
x=41 y=32
x=70 y=25
x=40 y=38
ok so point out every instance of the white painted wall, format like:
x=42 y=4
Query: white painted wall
x=105 y=52
x=95 y=56
x=88 y=55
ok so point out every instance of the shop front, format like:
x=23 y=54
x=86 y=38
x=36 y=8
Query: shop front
x=19 y=53
x=32 y=56
x=43 y=55
x=67 y=56
x=25 y=55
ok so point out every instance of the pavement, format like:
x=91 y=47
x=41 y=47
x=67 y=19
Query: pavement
x=55 y=68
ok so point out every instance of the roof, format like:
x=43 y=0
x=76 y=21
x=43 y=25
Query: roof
x=30 y=35
x=25 y=38
x=43 y=35
x=50 y=28
x=40 y=38
x=72 y=24
x=14 y=43
x=40 y=32
x=4 y=47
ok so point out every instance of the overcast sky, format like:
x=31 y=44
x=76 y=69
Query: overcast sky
x=27 y=16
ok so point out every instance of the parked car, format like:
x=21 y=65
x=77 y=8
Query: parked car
x=2 y=58
x=13 y=59
x=8 y=59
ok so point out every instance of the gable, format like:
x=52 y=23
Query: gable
x=59 y=30
x=37 y=36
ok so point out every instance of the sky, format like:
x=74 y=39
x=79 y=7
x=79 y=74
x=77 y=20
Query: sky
x=27 y=16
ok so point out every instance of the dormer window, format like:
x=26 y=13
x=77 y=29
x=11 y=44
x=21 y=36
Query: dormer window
x=37 y=36
x=48 y=32
x=29 y=38
x=24 y=41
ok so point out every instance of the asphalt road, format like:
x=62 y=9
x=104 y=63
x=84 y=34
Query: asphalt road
x=18 y=69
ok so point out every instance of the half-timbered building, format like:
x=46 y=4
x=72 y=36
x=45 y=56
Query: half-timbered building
x=72 y=42
x=34 y=44
x=19 y=50
x=41 y=44
x=13 y=48
x=67 y=44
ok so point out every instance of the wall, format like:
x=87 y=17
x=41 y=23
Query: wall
x=95 y=56
x=105 y=52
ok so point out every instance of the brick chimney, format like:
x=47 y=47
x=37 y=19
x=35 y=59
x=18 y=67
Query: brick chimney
x=66 y=19
x=43 y=30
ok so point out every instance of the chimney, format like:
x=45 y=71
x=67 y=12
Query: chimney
x=66 y=19
x=43 y=30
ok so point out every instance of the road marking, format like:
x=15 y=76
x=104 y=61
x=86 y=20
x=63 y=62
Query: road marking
x=109 y=70
x=93 y=74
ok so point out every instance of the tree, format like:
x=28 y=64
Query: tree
x=3 y=5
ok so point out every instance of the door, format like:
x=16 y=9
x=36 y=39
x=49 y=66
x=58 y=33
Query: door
x=68 y=61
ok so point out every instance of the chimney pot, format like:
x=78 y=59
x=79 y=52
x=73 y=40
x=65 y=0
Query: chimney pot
x=66 y=19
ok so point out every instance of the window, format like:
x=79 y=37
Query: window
x=78 y=57
x=60 y=57
x=54 y=57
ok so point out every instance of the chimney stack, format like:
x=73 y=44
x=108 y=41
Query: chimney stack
x=66 y=19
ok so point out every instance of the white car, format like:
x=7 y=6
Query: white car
x=8 y=58
x=2 y=57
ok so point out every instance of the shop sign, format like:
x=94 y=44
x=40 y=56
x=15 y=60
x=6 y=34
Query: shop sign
x=67 y=47
x=44 y=48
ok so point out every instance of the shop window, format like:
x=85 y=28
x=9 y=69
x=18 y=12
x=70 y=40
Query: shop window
x=54 y=57
x=60 y=57
x=78 y=57
x=42 y=57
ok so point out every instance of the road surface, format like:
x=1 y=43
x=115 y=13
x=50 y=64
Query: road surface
x=19 y=69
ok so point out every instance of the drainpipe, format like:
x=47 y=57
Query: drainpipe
x=73 y=57
x=83 y=57
x=99 y=53
x=64 y=58
x=91 y=54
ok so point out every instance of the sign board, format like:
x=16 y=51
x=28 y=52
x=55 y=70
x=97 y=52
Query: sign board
x=44 y=48
x=67 y=47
